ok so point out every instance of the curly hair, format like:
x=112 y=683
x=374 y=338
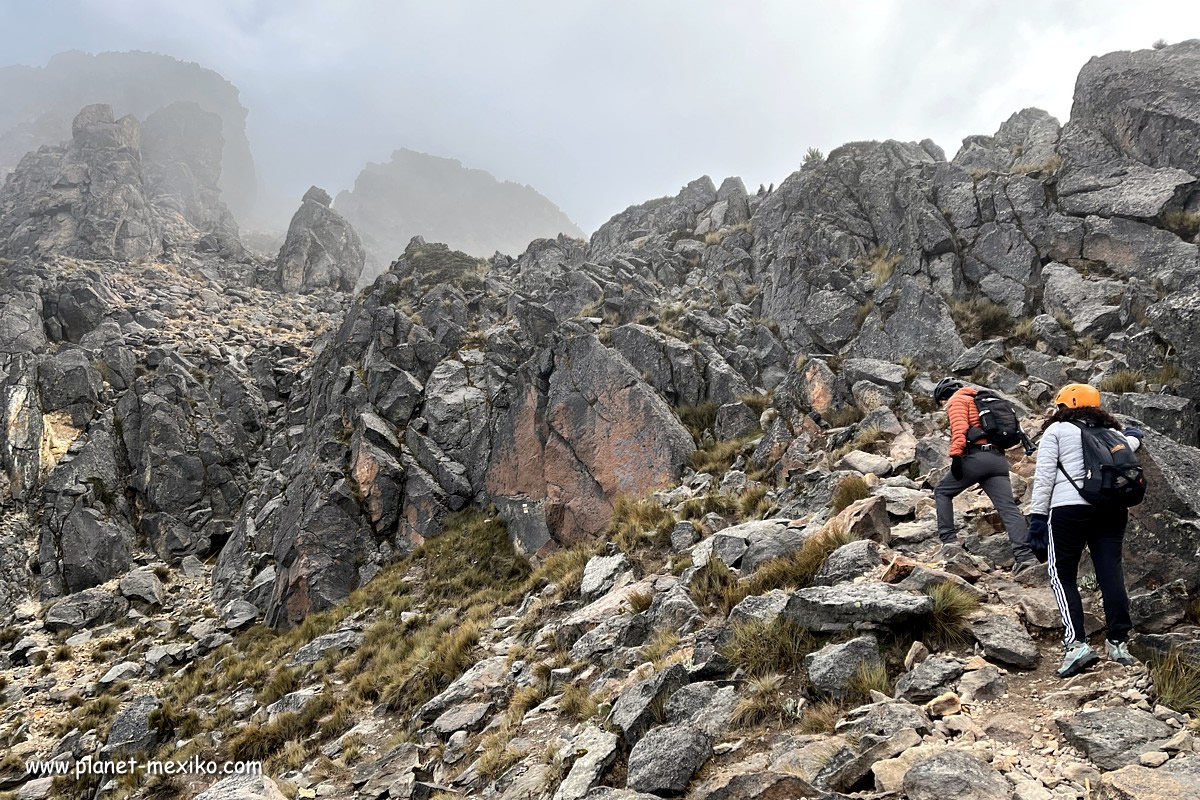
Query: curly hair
x=1091 y=415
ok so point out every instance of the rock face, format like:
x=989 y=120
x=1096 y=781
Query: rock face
x=322 y=249
x=85 y=199
x=122 y=190
x=415 y=194
x=182 y=147
x=37 y=104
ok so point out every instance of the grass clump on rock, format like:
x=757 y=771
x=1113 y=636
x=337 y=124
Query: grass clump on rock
x=764 y=648
x=946 y=625
x=849 y=490
x=978 y=318
x=797 y=569
x=1177 y=681
x=762 y=703
x=1122 y=381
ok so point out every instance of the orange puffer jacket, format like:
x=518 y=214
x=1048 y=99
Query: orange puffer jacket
x=963 y=415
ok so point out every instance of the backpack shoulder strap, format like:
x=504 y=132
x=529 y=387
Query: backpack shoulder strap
x=1070 y=480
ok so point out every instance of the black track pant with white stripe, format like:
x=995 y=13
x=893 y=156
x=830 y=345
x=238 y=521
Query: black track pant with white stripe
x=1100 y=530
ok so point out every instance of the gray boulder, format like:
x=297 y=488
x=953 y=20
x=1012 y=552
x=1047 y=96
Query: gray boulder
x=85 y=609
x=665 y=759
x=596 y=751
x=131 y=733
x=827 y=609
x=142 y=584
x=321 y=250
x=243 y=787
x=601 y=573
x=633 y=710
x=930 y=678
x=832 y=668
x=848 y=562
x=883 y=719
x=1003 y=637
x=96 y=185
x=1114 y=737
x=957 y=774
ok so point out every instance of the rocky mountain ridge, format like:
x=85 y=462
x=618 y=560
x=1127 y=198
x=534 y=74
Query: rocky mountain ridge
x=37 y=105
x=417 y=194
x=522 y=527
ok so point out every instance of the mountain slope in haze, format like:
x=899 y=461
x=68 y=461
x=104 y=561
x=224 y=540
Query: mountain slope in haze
x=416 y=194
x=37 y=105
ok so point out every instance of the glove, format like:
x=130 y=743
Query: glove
x=956 y=466
x=1134 y=432
x=1039 y=527
x=1039 y=536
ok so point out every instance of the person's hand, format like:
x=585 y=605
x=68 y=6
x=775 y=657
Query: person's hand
x=1039 y=527
x=1134 y=432
x=956 y=468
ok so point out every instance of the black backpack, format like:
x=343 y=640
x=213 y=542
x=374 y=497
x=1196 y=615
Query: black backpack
x=1111 y=473
x=998 y=419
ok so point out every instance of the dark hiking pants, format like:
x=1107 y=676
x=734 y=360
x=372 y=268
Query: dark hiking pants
x=989 y=469
x=1102 y=531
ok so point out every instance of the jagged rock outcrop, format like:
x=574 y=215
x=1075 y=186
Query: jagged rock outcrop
x=85 y=199
x=122 y=191
x=415 y=194
x=322 y=249
x=182 y=149
x=38 y=103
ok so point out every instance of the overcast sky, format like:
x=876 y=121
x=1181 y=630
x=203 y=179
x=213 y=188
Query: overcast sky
x=602 y=103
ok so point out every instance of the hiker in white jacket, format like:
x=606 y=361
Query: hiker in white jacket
x=1059 y=514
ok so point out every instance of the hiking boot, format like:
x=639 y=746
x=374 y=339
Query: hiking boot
x=1119 y=652
x=1078 y=657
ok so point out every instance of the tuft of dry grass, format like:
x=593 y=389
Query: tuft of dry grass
x=765 y=648
x=880 y=264
x=753 y=504
x=714 y=584
x=714 y=503
x=947 y=625
x=716 y=458
x=1121 y=381
x=639 y=601
x=842 y=417
x=1184 y=224
x=578 y=703
x=796 y=569
x=1177 y=681
x=820 y=717
x=978 y=318
x=762 y=703
x=639 y=522
x=849 y=490
x=660 y=645
x=758 y=402
x=871 y=676
x=866 y=439
x=698 y=419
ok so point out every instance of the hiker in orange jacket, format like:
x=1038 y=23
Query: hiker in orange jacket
x=974 y=461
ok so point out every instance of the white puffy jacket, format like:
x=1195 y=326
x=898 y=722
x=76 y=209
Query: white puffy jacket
x=1062 y=442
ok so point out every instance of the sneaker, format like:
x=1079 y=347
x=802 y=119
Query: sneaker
x=1119 y=652
x=1078 y=657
